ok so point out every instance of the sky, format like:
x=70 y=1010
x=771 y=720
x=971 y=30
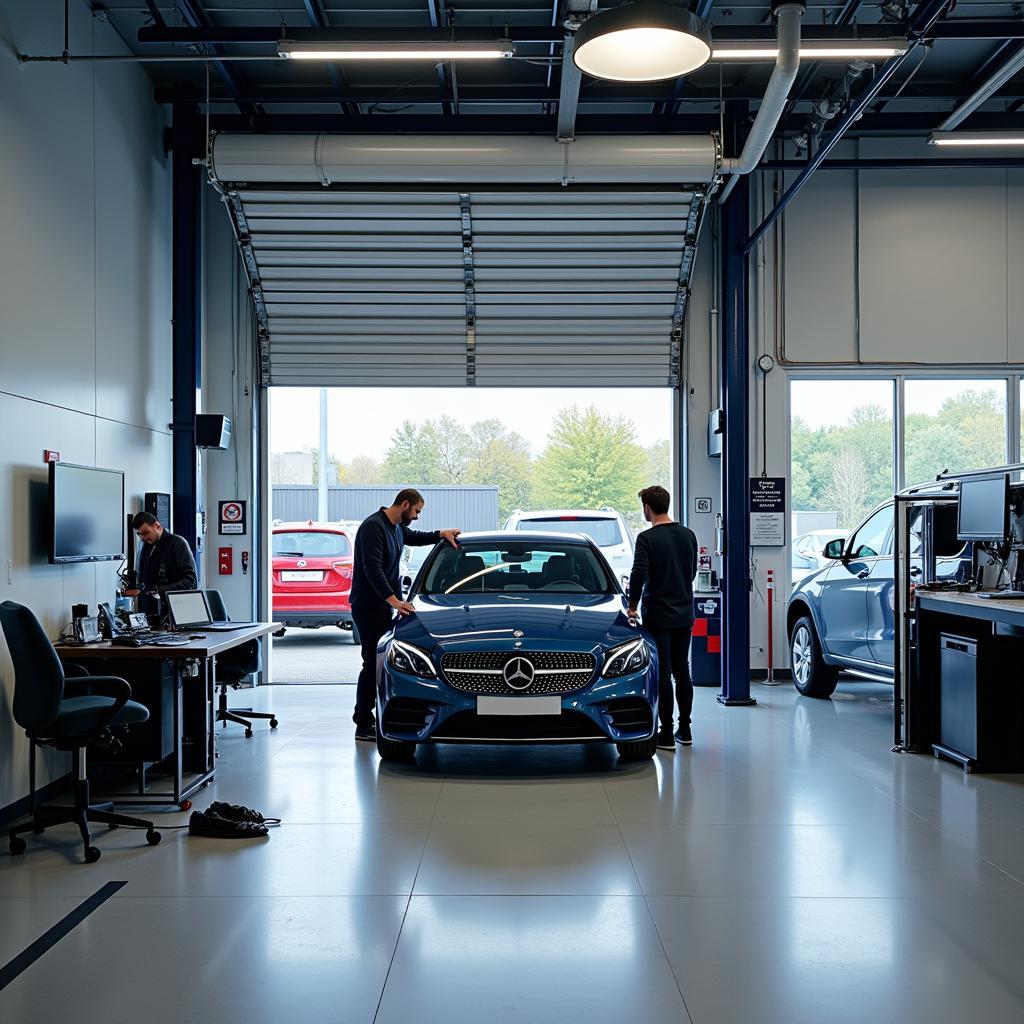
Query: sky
x=360 y=421
x=820 y=403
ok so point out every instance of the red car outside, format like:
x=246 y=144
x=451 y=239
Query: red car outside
x=312 y=567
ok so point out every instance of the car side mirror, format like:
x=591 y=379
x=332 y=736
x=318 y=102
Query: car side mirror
x=834 y=549
x=406 y=586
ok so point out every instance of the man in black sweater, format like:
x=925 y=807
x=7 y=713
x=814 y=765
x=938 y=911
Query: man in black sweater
x=166 y=562
x=376 y=590
x=664 y=565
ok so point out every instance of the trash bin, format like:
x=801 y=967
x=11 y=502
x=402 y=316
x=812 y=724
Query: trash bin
x=706 y=645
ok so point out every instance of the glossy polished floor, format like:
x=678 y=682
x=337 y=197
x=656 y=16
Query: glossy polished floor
x=787 y=869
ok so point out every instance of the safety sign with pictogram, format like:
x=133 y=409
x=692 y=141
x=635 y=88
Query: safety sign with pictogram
x=231 y=516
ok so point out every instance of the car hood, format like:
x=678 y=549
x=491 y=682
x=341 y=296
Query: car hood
x=498 y=622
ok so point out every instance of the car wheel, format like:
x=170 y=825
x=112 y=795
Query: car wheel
x=395 y=750
x=638 y=750
x=811 y=676
x=356 y=639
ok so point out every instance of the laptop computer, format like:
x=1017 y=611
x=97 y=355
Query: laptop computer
x=189 y=609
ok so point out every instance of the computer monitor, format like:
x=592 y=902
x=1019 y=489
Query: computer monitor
x=86 y=506
x=984 y=508
x=188 y=608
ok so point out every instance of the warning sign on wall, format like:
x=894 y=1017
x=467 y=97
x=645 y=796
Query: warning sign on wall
x=767 y=511
x=231 y=516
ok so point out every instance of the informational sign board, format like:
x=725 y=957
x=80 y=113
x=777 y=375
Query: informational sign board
x=231 y=516
x=767 y=511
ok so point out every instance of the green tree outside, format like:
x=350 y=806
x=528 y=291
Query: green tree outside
x=590 y=460
x=848 y=468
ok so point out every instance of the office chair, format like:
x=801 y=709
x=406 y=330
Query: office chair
x=232 y=667
x=68 y=714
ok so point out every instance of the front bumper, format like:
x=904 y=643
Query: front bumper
x=418 y=710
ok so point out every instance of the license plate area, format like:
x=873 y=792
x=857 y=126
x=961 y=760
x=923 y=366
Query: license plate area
x=506 y=706
x=302 y=576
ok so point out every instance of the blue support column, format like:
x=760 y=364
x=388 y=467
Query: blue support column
x=734 y=354
x=186 y=291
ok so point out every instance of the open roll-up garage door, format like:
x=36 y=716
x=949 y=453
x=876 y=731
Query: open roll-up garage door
x=525 y=281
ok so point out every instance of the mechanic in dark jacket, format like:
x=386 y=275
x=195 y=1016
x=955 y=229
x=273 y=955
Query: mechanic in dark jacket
x=165 y=562
x=376 y=590
x=664 y=565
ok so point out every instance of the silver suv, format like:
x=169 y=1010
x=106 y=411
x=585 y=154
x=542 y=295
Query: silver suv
x=604 y=526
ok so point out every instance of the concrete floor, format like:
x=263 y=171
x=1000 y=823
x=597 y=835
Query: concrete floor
x=325 y=655
x=788 y=868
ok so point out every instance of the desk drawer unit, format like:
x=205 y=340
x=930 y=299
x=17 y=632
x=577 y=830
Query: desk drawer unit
x=958 y=686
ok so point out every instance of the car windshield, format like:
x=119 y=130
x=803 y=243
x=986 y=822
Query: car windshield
x=509 y=566
x=311 y=544
x=604 y=532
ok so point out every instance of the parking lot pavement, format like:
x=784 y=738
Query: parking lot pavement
x=325 y=655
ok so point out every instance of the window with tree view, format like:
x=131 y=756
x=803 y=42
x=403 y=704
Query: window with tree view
x=953 y=424
x=842 y=451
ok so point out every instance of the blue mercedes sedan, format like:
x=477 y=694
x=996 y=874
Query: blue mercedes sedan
x=517 y=637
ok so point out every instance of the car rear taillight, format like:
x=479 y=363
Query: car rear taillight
x=343 y=569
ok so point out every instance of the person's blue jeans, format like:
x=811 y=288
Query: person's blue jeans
x=372 y=624
x=673 y=660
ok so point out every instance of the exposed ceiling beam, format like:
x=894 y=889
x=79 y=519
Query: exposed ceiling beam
x=191 y=11
x=957 y=28
x=514 y=94
x=983 y=91
x=439 y=21
x=318 y=19
x=568 y=93
x=586 y=124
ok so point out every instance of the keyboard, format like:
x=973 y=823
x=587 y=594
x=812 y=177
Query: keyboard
x=142 y=639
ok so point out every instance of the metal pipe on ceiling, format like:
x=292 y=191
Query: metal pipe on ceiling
x=456 y=159
x=788 y=17
x=926 y=14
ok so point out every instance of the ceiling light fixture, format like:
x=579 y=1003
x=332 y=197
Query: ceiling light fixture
x=642 y=42
x=976 y=139
x=813 y=51
x=395 y=51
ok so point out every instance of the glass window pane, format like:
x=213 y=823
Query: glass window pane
x=953 y=424
x=842 y=452
x=869 y=541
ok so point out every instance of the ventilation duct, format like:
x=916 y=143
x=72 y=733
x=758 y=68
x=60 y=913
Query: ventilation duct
x=457 y=160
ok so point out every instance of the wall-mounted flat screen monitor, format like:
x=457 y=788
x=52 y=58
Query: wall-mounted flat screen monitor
x=86 y=513
x=984 y=513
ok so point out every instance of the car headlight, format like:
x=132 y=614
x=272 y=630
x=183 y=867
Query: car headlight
x=410 y=660
x=628 y=657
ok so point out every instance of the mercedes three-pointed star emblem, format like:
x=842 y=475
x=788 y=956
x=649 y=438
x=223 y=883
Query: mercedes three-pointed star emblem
x=519 y=673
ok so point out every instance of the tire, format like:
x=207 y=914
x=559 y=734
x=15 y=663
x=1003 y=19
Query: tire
x=355 y=635
x=811 y=676
x=395 y=750
x=638 y=750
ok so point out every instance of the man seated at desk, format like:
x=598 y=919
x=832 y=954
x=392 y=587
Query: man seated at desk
x=165 y=562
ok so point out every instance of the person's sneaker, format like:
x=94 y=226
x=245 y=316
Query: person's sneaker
x=203 y=823
x=665 y=741
x=683 y=734
x=367 y=733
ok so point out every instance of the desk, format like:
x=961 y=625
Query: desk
x=997 y=629
x=193 y=719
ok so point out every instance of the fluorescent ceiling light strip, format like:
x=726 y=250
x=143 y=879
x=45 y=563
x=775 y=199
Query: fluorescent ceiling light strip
x=976 y=139
x=395 y=51
x=810 y=52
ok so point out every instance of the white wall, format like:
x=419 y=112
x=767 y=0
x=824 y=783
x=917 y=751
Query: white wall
x=85 y=333
x=230 y=387
x=884 y=270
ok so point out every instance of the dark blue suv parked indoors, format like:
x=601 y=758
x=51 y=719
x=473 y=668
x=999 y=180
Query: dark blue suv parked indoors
x=842 y=616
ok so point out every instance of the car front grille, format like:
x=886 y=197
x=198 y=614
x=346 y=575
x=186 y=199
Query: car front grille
x=483 y=671
x=469 y=727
